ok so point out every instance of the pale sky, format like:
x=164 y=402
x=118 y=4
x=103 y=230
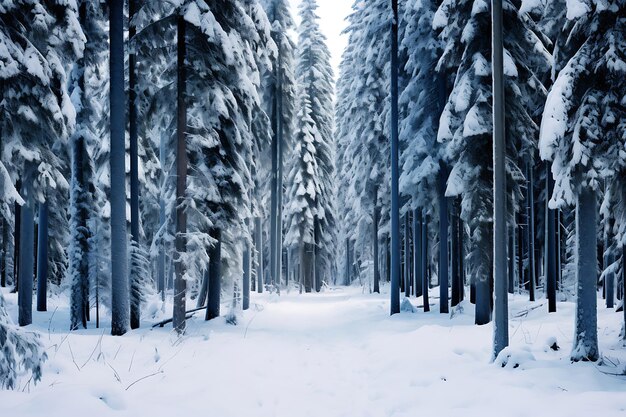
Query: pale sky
x=332 y=14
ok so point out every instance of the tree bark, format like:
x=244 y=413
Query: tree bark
x=395 y=173
x=215 y=276
x=407 y=262
x=135 y=302
x=180 y=285
x=259 y=253
x=443 y=240
x=247 y=267
x=27 y=260
x=42 y=258
x=424 y=262
x=501 y=296
x=375 y=247
x=550 y=253
x=586 y=333
x=456 y=272
x=530 y=213
x=417 y=251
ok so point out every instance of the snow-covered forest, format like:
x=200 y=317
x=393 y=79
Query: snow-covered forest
x=199 y=211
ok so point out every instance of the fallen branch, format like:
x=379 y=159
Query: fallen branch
x=188 y=314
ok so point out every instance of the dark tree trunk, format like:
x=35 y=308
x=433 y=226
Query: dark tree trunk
x=375 y=245
x=424 y=262
x=3 y=259
x=42 y=258
x=135 y=301
x=586 y=333
x=259 y=253
x=520 y=256
x=550 y=245
x=27 y=261
x=511 y=253
x=443 y=240
x=215 y=276
x=461 y=259
x=417 y=251
x=17 y=239
x=456 y=272
x=501 y=296
x=407 y=257
x=306 y=265
x=180 y=285
x=530 y=213
x=394 y=289
x=247 y=269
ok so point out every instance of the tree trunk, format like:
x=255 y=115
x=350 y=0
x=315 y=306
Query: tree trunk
x=501 y=296
x=259 y=253
x=27 y=259
x=375 y=247
x=456 y=272
x=417 y=251
x=520 y=256
x=550 y=253
x=180 y=285
x=443 y=240
x=306 y=265
x=461 y=259
x=586 y=333
x=530 y=213
x=3 y=259
x=348 y=279
x=135 y=302
x=395 y=173
x=424 y=262
x=215 y=276
x=202 y=296
x=42 y=258
x=246 y=276
x=407 y=263
x=17 y=239
x=512 y=249
x=609 y=280
x=162 y=221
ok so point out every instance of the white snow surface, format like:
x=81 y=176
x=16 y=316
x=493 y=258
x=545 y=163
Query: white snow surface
x=337 y=353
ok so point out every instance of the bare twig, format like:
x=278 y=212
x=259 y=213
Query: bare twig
x=142 y=378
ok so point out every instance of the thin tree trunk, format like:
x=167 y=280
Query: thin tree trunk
x=259 y=252
x=246 y=275
x=42 y=256
x=17 y=239
x=162 y=221
x=215 y=276
x=501 y=305
x=375 y=247
x=135 y=302
x=550 y=253
x=586 y=333
x=27 y=260
x=530 y=212
x=395 y=173
x=443 y=240
x=456 y=272
x=461 y=259
x=407 y=262
x=202 y=296
x=417 y=251
x=306 y=265
x=348 y=279
x=3 y=259
x=424 y=262
x=180 y=285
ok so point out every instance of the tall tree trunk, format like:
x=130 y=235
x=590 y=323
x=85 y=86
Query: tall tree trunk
x=215 y=276
x=443 y=240
x=624 y=290
x=501 y=304
x=135 y=301
x=204 y=287
x=180 y=285
x=3 y=259
x=162 y=224
x=306 y=265
x=395 y=172
x=424 y=262
x=520 y=255
x=461 y=258
x=530 y=215
x=348 y=278
x=417 y=251
x=27 y=259
x=42 y=258
x=550 y=253
x=456 y=272
x=120 y=305
x=586 y=333
x=17 y=239
x=259 y=253
x=512 y=250
x=247 y=269
x=316 y=265
x=407 y=262
x=609 y=279
x=375 y=247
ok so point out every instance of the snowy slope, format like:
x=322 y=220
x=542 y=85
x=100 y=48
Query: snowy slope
x=331 y=354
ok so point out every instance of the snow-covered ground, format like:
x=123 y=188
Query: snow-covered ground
x=332 y=354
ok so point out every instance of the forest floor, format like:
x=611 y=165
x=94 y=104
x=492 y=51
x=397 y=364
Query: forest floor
x=337 y=353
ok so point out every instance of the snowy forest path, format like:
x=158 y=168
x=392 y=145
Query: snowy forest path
x=337 y=353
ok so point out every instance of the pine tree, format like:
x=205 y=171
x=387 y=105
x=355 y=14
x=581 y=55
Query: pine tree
x=315 y=81
x=279 y=100
x=581 y=133
x=466 y=124
x=39 y=43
